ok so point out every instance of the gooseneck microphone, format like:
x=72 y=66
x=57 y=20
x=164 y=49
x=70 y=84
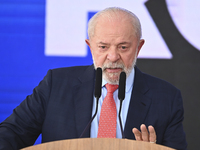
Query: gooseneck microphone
x=121 y=96
x=97 y=94
x=98 y=83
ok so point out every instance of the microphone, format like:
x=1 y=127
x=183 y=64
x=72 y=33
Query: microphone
x=98 y=83
x=122 y=86
x=121 y=96
x=97 y=95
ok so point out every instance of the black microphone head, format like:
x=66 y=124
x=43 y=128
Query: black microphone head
x=122 y=86
x=98 y=83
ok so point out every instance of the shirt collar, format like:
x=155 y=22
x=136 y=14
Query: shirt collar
x=129 y=80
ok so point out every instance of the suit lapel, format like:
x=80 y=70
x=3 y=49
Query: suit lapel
x=83 y=100
x=139 y=105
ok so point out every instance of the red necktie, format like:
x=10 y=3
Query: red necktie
x=108 y=115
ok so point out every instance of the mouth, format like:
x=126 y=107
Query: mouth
x=113 y=70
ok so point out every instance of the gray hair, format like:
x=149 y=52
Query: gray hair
x=108 y=13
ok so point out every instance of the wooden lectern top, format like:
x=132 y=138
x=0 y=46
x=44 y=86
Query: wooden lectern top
x=98 y=144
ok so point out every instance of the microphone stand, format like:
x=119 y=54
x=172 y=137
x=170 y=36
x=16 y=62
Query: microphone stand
x=97 y=95
x=88 y=125
x=120 y=120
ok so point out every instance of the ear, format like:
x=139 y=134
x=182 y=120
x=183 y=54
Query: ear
x=87 y=42
x=141 y=43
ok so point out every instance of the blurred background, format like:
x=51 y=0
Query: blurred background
x=37 y=35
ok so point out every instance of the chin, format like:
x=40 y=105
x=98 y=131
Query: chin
x=111 y=78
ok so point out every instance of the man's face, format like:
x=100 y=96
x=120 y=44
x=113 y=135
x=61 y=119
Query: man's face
x=114 y=48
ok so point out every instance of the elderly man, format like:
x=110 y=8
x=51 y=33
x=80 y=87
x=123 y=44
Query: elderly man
x=63 y=103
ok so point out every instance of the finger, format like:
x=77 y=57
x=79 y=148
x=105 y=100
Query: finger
x=145 y=133
x=152 y=134
x=137 y=134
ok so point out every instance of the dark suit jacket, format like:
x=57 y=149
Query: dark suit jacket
x=61 y=106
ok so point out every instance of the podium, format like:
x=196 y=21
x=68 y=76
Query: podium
x=97 y=144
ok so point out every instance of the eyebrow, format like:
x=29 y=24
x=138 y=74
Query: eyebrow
x=124 y=43
x=118 y=44
x=103 y=43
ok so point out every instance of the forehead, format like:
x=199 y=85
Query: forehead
x=118 y=27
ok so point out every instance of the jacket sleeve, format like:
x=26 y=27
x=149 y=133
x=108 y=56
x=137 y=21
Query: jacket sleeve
x=24 y=125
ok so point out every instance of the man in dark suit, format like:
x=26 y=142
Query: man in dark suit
x=63 y=103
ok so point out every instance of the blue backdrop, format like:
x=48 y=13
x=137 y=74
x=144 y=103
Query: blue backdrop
x=22 y=59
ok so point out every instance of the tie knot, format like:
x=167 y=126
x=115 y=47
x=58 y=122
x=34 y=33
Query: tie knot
x=111 y=88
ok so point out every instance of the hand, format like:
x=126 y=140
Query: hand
x=145 y=135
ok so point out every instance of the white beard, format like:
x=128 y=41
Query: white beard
x=113 y=78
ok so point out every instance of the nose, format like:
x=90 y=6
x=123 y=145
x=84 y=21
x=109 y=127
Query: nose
x=113 y=55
